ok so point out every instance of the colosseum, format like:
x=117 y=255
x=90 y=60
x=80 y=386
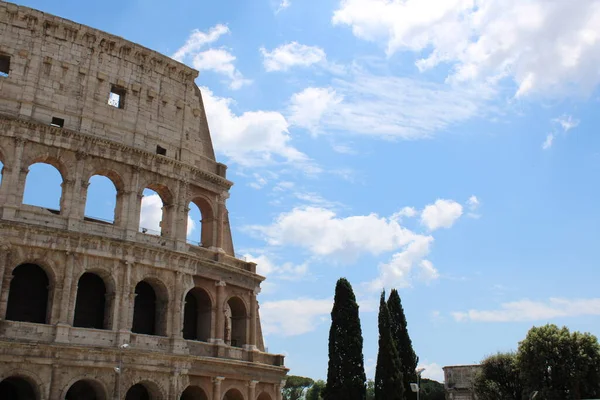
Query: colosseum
x=94 y=309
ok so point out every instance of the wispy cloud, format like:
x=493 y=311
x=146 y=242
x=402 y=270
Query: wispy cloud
x=291 y=55
x=198 y=40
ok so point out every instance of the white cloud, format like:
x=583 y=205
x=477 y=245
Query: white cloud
x=252 y=138
x=307 y=107
x=473 y=203
x=265 y=266
x=428 y=271
x=567 y=122
x=220 y=61
x=151 y=213
x=259 y=182
x=386 y=106
x=432 y=371
x=407 y=212
x=283 y=5
x=291 y=55
x=198 y=40
x=441 y=214
x=548 y=142
x=542 y=46
x=293 y=317
x=528 y=310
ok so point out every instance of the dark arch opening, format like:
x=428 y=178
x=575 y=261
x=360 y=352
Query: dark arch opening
x=28 y=294
x=233 y=394
x=144 y=309
x=193 y=393
x=197 y=315
x=85 y=390
x=16 y=388
x=137 y=392
x=264 y=396
x=91 y=302
x=235 y=323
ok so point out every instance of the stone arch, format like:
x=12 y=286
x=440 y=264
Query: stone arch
x=144 y=390
x=119 y=185
x=167 y=199
x=93 y=302
x=193 y=393
x=236 y=322
x=29 y=294
x=49 y=159
x=233 y=394
x=20 y=385
x=150 y=307
x=28 y=198
x=85 y=389
x=197 y=315
x=264 y=396
x=207 y=223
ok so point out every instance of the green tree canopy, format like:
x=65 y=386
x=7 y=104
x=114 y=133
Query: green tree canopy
x=295 y=386
x=346 y=372
x=432 y=390
x=499 y=378
x=560 y=365
x=316 y=390
x=388 y=372
x=399 y=330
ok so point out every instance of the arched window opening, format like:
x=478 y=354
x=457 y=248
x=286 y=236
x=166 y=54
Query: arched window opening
x=235 y=322
x=28 y=294
x=197 y=315
x=194 y=225
x=264 y=396
x=1 y=172
x=90 y=305
x=233 y=394
x=85 y=390
x=138 y=392
x=43 y=187
x=193 y=393
x=150 y=309
x=101 y=200
x=17 y=388
x=151 y=214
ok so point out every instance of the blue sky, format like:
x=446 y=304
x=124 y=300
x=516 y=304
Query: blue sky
x=446 y=148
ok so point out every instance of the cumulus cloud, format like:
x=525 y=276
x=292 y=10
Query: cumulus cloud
x=528 y=310
x=441 y=214
x=542 y=46
x=294 y=317
x=290 y=55
x=265 y=266
x=198 y=40
x=252 y=138
x=220 y=61
x=432 y=371
x=307 y=107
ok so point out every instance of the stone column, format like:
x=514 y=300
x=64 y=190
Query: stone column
x=279 y=390
x=253 y=318
x=67 y=302
x=11 y=191
x=4 y=264
x=217 y=380
x=133 y=201
x=74 y=206
x=4 y=295
x=220 y=223
x=252 y=390
x=219 y=331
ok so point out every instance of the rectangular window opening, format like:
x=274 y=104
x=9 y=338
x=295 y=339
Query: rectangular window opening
x=4 y=65
x=116 y=98
x=161 y=150
x=58 y=122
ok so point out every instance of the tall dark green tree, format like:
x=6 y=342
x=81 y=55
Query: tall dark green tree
x=388 y=373
x=399 y=329
x=346 y=371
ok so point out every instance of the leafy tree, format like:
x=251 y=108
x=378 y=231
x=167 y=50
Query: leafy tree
x=388 y=372
x=370 y=389
x=432 y=390
x=398 y=327
x=346 y=372
x=499 y=378
x=560 y=365
x=295 y=387
x=316 y=390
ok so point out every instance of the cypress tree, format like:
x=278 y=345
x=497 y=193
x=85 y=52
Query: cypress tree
x=398 y=327
x=346 y=373
x=388 y=373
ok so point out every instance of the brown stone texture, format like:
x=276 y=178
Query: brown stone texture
x=97 y=310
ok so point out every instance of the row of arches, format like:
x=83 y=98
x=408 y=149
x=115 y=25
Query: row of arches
x=29 y=295
x=22 y=388
x=103 y=201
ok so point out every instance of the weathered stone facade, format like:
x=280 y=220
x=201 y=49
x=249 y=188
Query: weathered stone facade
x=458 y=381
x=97 y=310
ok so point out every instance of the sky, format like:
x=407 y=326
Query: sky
x=446 y=148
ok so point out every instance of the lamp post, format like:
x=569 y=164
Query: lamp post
x=119 y=369
x=418 y=371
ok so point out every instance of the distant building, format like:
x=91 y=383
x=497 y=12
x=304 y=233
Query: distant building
x=458 y=381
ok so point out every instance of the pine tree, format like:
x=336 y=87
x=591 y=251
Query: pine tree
x=398 y=327
x=346 y=373
x=388 y=373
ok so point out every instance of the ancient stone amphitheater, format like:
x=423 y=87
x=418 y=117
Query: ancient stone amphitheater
x=91 y=309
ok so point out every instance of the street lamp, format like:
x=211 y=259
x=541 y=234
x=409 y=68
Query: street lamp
x=417 y=387
x=119 y=369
